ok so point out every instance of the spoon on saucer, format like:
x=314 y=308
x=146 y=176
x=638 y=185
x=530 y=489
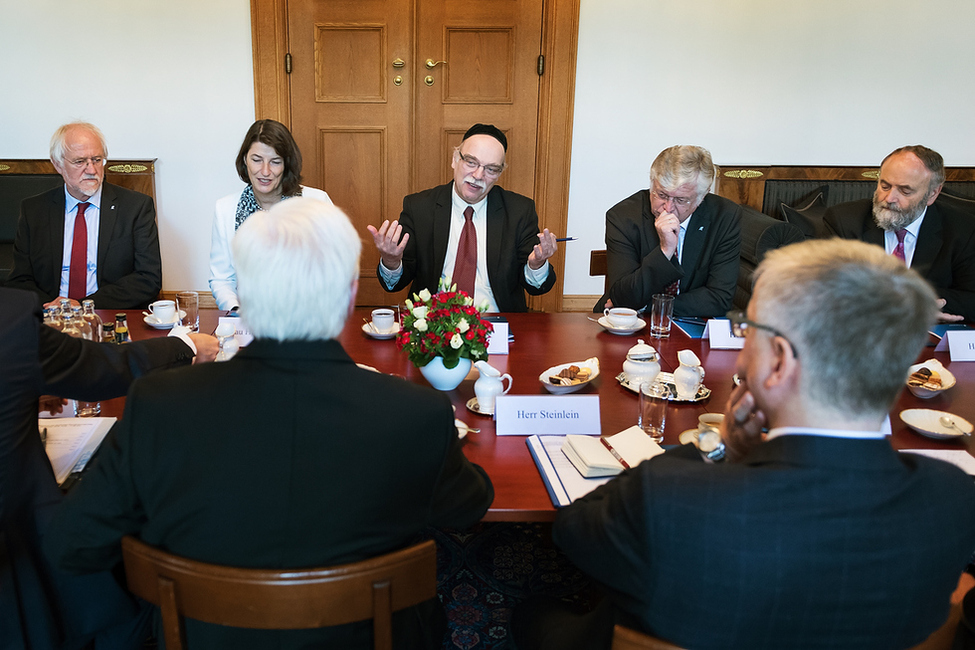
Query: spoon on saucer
x=948 y=422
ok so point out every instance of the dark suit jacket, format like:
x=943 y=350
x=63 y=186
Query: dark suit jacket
x=40 y=606
x=128 y=266
x=512 y=231
x=944 y=255
x=809 y=542
x=636 y=268
x=288 y=455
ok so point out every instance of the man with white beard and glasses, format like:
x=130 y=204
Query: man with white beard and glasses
x=904 y=216
x=481 y=236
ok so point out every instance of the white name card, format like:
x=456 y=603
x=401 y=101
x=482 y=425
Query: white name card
x=961 y=344
x=546 y=415
x=241 y=333
x=498 y=339
x=718 y=333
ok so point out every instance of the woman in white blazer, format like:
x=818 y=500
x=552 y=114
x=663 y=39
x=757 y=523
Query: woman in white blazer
x=270 y=163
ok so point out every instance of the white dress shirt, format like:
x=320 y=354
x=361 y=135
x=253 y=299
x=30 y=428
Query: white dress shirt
x=910 y=239
x=92 y=218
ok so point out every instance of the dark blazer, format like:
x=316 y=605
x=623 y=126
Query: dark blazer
x=41 y=607
x=944 y=255
x=512 y=231
x=808 y=542
x=636 y=268
x=278 y=458
x=128 y=266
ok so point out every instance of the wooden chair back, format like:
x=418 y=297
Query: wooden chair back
x=597 y=263
x=285 y=599
x=626 y=639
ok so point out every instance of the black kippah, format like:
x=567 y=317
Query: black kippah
x=488 y=129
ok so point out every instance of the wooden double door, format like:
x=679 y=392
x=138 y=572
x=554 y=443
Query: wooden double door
x=381 y=91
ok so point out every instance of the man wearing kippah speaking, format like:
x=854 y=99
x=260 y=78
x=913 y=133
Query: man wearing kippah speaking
x=484 y=238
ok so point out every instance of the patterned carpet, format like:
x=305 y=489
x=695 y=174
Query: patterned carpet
x=482 y=573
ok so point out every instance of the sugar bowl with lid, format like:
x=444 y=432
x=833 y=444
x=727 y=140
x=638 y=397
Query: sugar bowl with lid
x=642 y=364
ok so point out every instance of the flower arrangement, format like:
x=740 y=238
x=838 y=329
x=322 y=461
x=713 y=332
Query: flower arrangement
x=444 y=324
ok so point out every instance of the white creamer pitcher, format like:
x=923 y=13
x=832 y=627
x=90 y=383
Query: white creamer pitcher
x=489 y=385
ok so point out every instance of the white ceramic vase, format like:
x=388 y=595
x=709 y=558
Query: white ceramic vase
x=443 y=378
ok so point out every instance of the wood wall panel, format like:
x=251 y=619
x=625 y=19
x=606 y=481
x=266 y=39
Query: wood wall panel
x=479 y=68
x=350 y=63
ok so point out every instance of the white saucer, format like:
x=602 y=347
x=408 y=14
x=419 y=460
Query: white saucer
x=382 y=336
x=473 y=406
x=703 y=392
x=926 y=422
x=621 y=331
x=688 y=437
x=153 y=322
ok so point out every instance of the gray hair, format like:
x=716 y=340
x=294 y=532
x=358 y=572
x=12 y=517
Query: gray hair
x=59 y=141
x=681 y=164
x=856 y=316
x=931 y=160
x=296 y=269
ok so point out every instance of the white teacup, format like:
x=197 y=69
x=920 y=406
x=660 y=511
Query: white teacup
x=163 y=310
x=621 y=317
x=382 y=320
x=710 y=421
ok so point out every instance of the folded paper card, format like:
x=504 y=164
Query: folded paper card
x=610 y=455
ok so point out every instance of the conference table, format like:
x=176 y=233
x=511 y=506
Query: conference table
x=543 y=340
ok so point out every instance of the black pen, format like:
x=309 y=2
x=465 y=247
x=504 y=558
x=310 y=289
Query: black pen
x=44 y=437
x=691 y=320
x=565 y=239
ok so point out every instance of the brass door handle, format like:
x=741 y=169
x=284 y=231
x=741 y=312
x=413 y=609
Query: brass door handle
x=398 y=62
x=431 y=64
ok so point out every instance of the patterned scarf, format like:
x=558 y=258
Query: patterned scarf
x=248 y=205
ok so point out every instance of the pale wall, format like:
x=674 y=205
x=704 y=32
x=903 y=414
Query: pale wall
x=755 y=81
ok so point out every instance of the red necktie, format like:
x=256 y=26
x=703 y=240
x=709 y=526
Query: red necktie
x=78 y=275
x=673 y=288
x=465 y=266
x=899 y=249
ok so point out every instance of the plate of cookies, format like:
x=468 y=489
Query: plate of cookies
x=929 y=379
x=569 y=377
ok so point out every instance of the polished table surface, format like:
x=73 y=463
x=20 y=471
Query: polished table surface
x=545 y=340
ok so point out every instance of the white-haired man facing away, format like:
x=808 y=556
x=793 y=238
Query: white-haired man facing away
x=276 y=458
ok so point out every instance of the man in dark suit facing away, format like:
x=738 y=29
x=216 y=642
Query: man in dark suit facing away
x=816 y=535
x=481 y=236
x=278 y=458
x=88 y=239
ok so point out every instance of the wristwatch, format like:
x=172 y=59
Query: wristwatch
x=711 y=446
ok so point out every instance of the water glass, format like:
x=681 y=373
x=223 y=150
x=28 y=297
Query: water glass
x=189 y=302
x=661 y=310
x=654 y=399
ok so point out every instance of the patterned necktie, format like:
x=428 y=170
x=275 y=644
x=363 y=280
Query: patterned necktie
x=673 y=288
x=78 y=273
x=899 y=249
x=465 y=266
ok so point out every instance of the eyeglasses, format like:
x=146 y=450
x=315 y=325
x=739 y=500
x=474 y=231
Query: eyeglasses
x=81 y=163
x=678 y=200
x=740 y=324
x=471 y=164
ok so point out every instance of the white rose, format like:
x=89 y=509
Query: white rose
x=485 y=305
x=462 y=326
x=420 y=325
x=420 y=312
x=409 y=303
x=424 y=295
x=456 y=341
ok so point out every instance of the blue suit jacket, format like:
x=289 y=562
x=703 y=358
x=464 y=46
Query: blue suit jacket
x=808 y=542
